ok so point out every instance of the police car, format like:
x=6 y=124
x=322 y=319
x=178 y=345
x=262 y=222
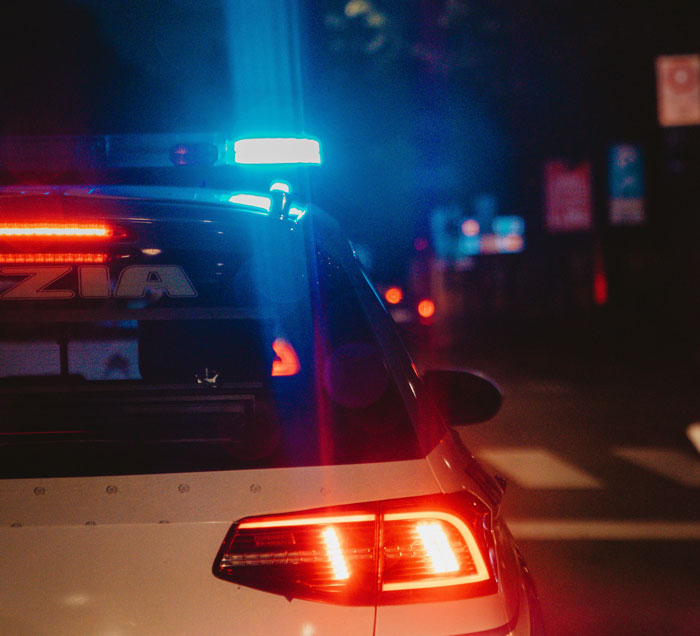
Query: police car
x=210 y=426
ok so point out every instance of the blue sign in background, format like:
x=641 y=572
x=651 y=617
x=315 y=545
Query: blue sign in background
x=626 y=171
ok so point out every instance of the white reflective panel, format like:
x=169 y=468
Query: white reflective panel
x=667 y=462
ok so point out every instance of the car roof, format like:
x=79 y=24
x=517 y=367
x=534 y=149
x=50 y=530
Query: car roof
x=223 y=200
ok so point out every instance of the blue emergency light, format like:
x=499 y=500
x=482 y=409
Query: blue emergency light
x=258 y=201
x=277 y=150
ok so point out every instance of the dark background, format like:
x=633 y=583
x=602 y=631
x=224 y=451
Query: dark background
x=418 y=103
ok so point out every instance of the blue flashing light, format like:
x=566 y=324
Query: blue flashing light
x=277 y=150
x=296 y=212
x=252 y=201
x=280 y=186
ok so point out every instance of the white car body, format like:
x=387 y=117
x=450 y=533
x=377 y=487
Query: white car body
x=133 y=554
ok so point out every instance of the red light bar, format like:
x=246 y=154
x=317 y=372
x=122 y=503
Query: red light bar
x=49 y=230
x=13 y=259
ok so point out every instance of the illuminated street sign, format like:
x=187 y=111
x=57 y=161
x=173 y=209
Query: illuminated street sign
x=626 y=184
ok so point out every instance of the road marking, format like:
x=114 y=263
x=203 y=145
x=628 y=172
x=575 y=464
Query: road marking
x=537 y=468
x=693 y=433
x=603 y=529
x=666 y=462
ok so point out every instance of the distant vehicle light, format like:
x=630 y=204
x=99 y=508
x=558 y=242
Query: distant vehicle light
x=600 y=287
x=426 y=308
x=277 y=150
x=512 y=243
x=393 y=295
x=470 y=227
x=258 y=201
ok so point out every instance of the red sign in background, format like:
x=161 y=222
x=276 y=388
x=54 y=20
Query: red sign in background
x=568 y=197
x=678 y=89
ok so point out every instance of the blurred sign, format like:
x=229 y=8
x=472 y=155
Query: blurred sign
x=445 y=230
x=626 y=184
x=568 y=197
x=485 y=206
x=678 y=89
x=511 y=224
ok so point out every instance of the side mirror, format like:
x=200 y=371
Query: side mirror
x=463 y=397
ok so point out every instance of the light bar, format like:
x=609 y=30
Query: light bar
x=58 y=257
x=252 y=201
x=277 y=150
x=57 y=231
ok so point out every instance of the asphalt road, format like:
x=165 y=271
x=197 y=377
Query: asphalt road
x=603 y=488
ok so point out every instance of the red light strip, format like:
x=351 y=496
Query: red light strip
x=305 y=521
x=56 y=230
x=14 y=259
x=482 y=573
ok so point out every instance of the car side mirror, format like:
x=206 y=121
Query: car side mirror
x=463 y=397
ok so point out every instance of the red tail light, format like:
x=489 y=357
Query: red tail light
x=61 y=231
x=400 y=551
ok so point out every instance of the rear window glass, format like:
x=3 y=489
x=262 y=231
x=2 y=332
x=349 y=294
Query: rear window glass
x=195 y=346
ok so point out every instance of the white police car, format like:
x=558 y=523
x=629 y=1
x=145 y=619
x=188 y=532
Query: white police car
x=210 y=427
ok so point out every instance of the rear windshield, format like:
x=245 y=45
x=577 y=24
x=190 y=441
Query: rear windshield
x=190 y=346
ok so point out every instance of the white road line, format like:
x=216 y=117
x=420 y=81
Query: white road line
x=604 y=529
x=536 y=468
x=693 y=433
x=667 y=462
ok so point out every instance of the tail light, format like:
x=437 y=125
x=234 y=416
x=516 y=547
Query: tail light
x=398 y=551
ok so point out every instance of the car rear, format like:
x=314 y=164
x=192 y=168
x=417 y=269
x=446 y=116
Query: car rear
x=208 y=427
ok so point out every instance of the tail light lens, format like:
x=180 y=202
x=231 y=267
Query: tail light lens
x=398 y=551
